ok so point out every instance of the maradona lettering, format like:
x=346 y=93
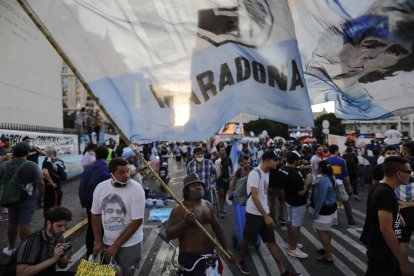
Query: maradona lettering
x=210 y=83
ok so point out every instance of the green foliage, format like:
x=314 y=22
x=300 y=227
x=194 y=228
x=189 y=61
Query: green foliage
x=335 y=125
x=273 y=128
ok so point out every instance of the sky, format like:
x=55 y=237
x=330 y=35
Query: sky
x=329 y=106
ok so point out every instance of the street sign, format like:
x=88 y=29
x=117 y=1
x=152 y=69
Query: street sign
x=325 y=131
x=325 y=124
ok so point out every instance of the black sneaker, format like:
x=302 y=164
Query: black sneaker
x=244 y=268
x=282 y=221
x=352 y=225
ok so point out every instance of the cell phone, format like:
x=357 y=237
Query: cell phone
x=66 y=248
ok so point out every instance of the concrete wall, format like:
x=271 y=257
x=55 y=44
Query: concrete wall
x=30 y=82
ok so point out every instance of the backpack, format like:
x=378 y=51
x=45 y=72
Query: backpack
x=241 y=189
x=8 y=264
x=61 y=169
x=91 y=177
x=10 y=185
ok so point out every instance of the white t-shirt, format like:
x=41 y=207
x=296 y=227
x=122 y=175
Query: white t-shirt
x=119 y=206
x=253 y=181
x=393 y=137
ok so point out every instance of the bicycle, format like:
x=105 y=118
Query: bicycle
x=212 y=261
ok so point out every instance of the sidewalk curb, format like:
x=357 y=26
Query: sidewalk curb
x=75 y=228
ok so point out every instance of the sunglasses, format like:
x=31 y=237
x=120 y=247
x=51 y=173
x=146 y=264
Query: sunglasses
x=406 y=171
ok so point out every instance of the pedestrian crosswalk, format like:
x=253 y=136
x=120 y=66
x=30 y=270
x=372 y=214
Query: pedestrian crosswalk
x=349 y=253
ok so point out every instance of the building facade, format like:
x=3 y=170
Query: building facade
x=377 y=128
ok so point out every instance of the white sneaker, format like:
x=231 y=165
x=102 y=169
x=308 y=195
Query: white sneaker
x=297 y=253
x=298 y=245
x=8 y=251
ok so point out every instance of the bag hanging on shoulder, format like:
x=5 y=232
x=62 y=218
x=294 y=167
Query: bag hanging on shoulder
x=241 y=189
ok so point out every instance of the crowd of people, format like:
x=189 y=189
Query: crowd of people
x=283 y=182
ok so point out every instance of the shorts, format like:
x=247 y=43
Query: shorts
x=22 y=214
x=255 y=225
x=223 y=184
x=296 y=214
x=128 y=259
x=324 y=223
x=406 y=231
x=380 y=267
x=187 y=260
x=178 y=158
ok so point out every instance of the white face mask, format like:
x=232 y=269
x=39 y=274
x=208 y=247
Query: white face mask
x=118 y=183
x=199 y=159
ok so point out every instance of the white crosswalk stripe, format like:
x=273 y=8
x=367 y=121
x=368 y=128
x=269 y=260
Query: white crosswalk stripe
x=297 y=265
x=337 y=262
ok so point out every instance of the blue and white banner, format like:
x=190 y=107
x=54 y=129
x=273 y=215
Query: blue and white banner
x=181 y=69
x=359 y=54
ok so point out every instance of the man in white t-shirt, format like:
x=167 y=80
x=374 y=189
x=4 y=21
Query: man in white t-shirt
x=393 y=136
x=118 y=206
x=258 y=220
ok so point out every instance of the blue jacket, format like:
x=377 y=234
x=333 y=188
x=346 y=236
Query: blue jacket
x=323 y=193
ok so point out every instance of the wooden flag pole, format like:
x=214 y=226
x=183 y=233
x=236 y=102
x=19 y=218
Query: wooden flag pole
x=26 y=7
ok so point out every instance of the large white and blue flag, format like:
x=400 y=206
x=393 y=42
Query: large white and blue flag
x=181 y=69
x=359 y=54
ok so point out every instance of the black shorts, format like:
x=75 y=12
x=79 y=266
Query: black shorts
x=408 y=215
x=187 y=260
x=223 y=184
x=380 y=267
x=255 y=225
x=178 y=158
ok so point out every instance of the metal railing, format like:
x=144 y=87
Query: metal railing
x=33 y=128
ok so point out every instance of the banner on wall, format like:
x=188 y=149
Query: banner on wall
x=66 y=144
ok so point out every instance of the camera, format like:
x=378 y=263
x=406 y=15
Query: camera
x=66 y=248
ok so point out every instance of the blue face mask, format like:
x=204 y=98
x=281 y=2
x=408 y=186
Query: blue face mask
x=117 y=183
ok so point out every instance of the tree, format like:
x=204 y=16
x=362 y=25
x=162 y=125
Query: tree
x=273 y=128
x=335 y=125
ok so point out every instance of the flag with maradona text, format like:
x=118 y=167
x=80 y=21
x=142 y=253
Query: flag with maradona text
x=181 y=69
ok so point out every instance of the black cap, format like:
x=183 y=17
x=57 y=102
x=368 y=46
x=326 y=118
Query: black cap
x=5 y=138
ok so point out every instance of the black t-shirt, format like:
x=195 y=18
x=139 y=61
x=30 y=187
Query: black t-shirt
x=276 y=177
x=36 y=249
x=33 y=156
x=226 y=165
x=293 y=183
x=51 y=166
x=381 y=197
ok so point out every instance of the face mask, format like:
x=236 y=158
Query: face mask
x=118 y=184
x=196 y=194
x=199 y=159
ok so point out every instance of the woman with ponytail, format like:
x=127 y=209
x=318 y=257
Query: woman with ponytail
x=325 y=204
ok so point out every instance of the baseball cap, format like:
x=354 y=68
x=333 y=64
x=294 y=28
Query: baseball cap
x=21 y=149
